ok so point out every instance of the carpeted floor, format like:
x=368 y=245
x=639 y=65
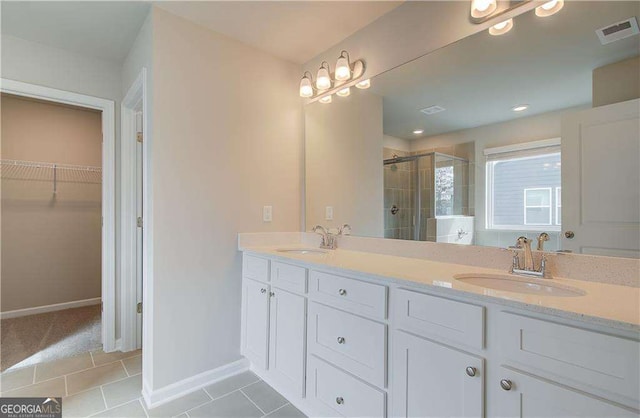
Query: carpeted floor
x=49 y=336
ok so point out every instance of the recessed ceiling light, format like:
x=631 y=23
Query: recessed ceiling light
x=431 y=110
x=418 y=131
x=520 y=108
x=549 y=8
x=325 y=99
x=364 y=84
x=501 y=28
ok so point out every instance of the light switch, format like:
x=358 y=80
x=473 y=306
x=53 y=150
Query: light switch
x=328 y=213
x=267 y=213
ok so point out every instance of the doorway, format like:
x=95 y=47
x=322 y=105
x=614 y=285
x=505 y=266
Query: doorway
x=58 y=255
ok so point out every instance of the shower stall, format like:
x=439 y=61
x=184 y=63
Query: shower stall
x=420 y=188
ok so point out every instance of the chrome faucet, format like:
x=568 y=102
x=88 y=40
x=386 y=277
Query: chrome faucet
x=541 y=240
x=528 y=269
x=329 y=240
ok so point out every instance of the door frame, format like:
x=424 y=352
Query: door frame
x=107 y=107
x=134 y=101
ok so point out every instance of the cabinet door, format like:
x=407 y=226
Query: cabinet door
x=527 y=397
x=431 y=380
x=287 y=339
x=255 y=321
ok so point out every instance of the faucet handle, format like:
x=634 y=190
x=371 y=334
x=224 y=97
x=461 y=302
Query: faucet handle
x=345 y=229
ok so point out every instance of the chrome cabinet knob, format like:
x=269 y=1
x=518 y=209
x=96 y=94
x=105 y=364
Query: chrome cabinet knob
x=569 y=234
x=471 y=371
x=506 y=384
x=339 y=400
x=340 y=340
x=342 y=292
x=263 y=290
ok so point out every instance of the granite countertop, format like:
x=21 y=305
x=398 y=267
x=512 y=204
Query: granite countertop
x=602 y=304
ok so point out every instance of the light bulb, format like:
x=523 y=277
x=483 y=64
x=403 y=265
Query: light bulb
x=418 y=131
x=343 y=69
x=483 y=8
x=520 y=108
x=364 y=84
x=501 y=28
x=549 y=8
x=323 y=80
x=344 y=92
x=325 y=99
x=306 y=90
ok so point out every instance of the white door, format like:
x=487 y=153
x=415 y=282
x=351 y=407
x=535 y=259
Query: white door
x=601 y=180
x=255 y=304
x=433 y=380
x=287 y=339
x=139 y=200
x=529 y=397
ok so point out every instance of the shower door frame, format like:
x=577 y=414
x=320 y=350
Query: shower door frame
x=107 y=107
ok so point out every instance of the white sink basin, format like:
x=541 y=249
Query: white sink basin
x=520 y=285
x=303 y=251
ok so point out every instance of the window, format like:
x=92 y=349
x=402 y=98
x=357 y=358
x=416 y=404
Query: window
x=523 y=187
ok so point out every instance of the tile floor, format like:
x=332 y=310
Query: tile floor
x=109 y=384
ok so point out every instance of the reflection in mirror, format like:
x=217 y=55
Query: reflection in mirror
x=492 y=138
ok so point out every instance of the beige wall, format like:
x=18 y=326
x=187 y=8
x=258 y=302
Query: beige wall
x=617 y=82
x=343 y=147
x=227 y=139
x=51 y=247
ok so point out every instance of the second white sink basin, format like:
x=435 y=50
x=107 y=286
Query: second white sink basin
x=520 y=285
x=303 y=251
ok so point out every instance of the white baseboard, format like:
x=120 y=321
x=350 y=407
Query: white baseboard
x=154 y=398
x=49 y=308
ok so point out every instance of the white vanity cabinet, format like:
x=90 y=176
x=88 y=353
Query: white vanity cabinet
x=352 y=345
x=274 y=321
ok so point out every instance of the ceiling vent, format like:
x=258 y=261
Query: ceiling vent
x=618 y=31
x=432 y=110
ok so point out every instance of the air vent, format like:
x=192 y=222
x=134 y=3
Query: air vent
x=432 y=110
x=618 y=31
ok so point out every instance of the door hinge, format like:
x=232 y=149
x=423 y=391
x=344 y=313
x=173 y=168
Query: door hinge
x=139 y=221
x=139 y=307
x=139 y=136
x=101 y=306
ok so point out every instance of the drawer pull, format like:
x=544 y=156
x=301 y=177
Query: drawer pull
x=342 y=292
x=272 y=294
x=263 y=290
x=506 y=384
x=340 y=340
x=339 y=400
x=471 y=371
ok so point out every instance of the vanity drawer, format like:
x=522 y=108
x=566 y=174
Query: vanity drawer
x=289 y=277
x=349 y=294
x=256 y=268
x=356 y=344
x=597 y=363
x=342 y=393
x=444 y=320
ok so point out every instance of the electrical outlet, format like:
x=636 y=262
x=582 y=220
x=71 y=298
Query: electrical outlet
x=267 y=213
x=328 y=213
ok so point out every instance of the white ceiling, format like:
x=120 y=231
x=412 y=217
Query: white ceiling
x=293 y=30
x=101 y=29
x=546 y=63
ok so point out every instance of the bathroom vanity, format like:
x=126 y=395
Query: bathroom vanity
x=349 y=333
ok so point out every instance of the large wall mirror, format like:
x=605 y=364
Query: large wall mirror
x=491 y=138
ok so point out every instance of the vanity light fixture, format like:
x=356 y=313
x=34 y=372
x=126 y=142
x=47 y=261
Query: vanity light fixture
x=520 y=108
x=326 y=83
x=501 y=28
x=418 y=131
x=549 y=8
x=483 y=8
x=323 y=79
x=325 y=99
x=306 y=85
x=344 y=92
x=343 y=68
x=364 y=84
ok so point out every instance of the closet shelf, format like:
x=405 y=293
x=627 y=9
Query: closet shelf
x=47 y=171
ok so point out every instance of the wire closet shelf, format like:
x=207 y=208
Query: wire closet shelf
x=53 y=172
